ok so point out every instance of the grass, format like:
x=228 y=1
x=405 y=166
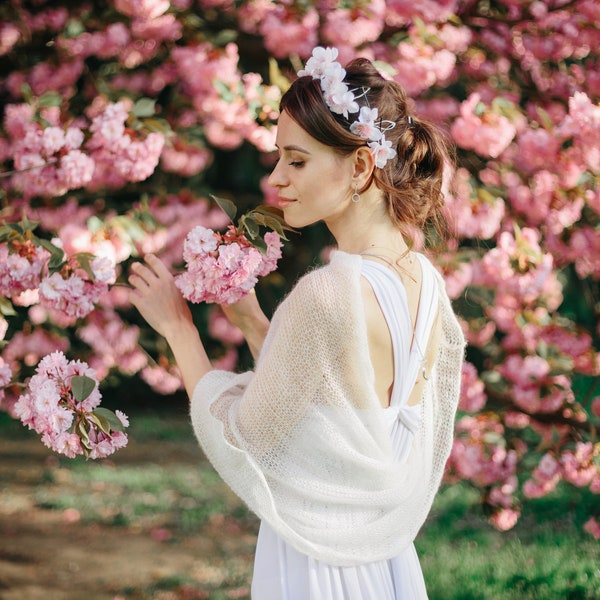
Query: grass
x=546 y=556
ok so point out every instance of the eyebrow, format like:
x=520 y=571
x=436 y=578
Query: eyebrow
x=293 y=147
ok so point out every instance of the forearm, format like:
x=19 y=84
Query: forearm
x=190 y=355
x=249 y=317
x=255 y=332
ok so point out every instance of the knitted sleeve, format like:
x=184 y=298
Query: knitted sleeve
x=302 y=439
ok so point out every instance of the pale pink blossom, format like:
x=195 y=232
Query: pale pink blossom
x=478 y=128
x=472 y=394
x=505 y=519
x=220 y=328
x=162 y=380
x=9 y=36
x=578 y=466
x=144 y=9
x=223 y=268
x=592 y=526
x=50 y=406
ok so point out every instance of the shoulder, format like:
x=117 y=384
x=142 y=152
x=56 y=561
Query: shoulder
x=327 y=295
x=332 y=281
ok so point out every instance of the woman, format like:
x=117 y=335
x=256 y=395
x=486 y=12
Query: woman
x=339 y=437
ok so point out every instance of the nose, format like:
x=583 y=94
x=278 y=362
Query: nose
x=277 y=177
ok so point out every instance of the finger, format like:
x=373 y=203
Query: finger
x=158 y=266
x=143 y=272
x=137 y=282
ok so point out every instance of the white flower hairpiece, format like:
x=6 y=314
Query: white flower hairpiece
x=341 y=100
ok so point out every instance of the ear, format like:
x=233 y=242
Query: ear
x=363 y=166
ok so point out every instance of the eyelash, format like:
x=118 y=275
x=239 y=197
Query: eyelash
x=297 y=163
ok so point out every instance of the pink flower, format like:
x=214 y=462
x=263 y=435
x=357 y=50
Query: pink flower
x=482 y=130
x=505 y=519
x=9 y=36
x=592 y=526
x=472 y=395
x=53 y=403
x=223 y=268
x=220 y=328
x=21 y=267
x=76 y=169
x=75 y=295
x=365 y=126
x=382 y=151
x=144 y=9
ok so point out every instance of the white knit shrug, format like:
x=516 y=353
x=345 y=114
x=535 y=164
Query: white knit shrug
x=302 y=438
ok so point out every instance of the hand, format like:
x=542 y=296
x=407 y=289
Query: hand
x=244 y=311
x=157 y=298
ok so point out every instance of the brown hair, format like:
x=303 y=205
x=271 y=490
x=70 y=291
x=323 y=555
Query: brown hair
x=411 y=181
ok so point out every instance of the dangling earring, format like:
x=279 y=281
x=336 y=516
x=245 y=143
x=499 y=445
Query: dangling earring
x=356 y=195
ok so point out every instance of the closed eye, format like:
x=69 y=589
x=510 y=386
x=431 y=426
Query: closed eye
x=297 y=163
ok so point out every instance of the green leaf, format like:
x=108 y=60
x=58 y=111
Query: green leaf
x=56 y=263
x=54 y=250
x=82 y=386
x=251 y=227
x=100 y=421
x=227 y=206
x=224 y=91
x=260 y=244
x=158 y=126
x=74 y=28
x=82 y=432
x=144 y=107
x=6 y=307
x=83 y=259
x=276 y=77
x=27 y=93
x=49 y=99
x=109 y=415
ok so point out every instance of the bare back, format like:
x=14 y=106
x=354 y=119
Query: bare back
x=380 y=341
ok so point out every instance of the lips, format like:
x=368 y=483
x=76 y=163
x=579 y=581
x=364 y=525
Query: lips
x=283 y=202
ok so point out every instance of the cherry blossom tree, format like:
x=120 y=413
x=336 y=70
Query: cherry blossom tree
x=120 y=118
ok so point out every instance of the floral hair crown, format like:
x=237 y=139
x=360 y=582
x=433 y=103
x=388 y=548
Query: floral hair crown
x=342 y=100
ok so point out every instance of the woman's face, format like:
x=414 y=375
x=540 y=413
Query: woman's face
x=314 y=183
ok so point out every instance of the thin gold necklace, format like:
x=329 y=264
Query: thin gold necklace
x=397 y=266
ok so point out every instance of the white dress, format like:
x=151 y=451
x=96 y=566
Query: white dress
x=283 y=573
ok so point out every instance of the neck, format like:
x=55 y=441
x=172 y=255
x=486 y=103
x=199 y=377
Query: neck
x=367 y=227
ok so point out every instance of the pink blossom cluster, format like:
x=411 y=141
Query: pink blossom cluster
x=224 y=268
x=54 y=159
x=474 y=215
x=5 y=379
x=478 y=128
x=21 y=268
x=286 y=29
x=472 y=393
x=480 y=455
x=73 y=292
x=419 y=65
x=117 y=147
x=230 y=107
x=518 y=261
x=69 y=425
x=50 y=159
x=350 y=27
x=534 y=388
x=114 y=343
x=479 y=452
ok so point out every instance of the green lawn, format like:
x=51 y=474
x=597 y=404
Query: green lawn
x=159 y=484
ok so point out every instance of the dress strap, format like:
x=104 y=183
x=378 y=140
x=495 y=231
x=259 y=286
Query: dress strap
x=391 y=295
